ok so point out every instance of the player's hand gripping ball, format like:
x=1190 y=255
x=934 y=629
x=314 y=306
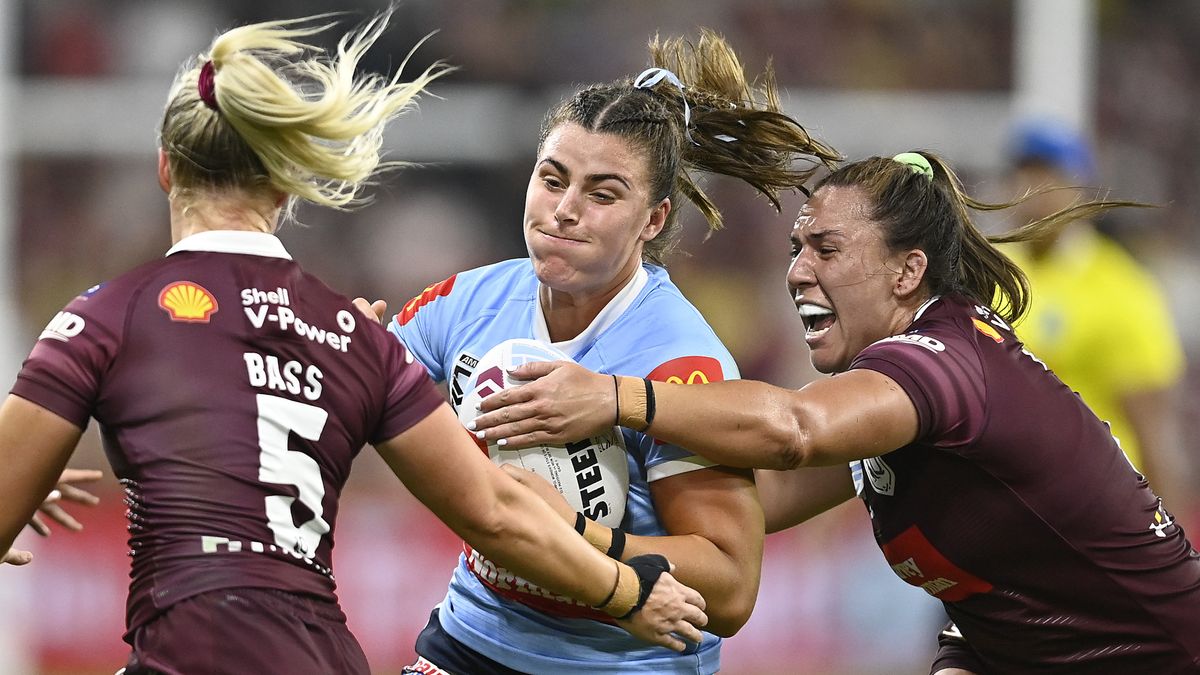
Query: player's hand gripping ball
x=591 y=474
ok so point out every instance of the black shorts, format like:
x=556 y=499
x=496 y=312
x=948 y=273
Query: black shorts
x=954 y=652
x=440 y=653
x=247 y=630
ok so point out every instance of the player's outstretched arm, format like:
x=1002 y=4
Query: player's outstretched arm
x=740 y=423
x=791 y=497
x=444 y=469
x=35 y=445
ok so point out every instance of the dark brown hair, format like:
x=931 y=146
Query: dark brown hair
x=736 y=129
x=934 y=215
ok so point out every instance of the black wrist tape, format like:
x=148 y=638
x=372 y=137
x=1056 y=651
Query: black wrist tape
x=648 y=568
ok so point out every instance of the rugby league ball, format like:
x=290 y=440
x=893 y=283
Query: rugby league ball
x=592 y=473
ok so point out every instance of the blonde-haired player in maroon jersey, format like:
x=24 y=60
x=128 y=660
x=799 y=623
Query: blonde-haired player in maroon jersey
x=233 y=390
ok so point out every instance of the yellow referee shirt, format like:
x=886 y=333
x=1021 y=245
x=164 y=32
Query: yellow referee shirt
x=1101 y=323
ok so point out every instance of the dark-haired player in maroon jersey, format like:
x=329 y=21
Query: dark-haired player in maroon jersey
x=989 y=483
x=233 y=390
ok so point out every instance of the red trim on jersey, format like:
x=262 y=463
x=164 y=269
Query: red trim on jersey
x=512 y=587
x=431 y=293
x=689 y=370
x=915 y=560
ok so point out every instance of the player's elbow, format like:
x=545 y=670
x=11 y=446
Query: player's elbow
x=784 y=438
x=727 y=619
x=796 y=443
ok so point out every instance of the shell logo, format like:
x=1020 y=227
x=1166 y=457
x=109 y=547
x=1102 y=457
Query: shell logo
x=187 y=301
x=987 y=330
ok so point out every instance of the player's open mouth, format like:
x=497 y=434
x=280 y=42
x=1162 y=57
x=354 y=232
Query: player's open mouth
x=817 y=319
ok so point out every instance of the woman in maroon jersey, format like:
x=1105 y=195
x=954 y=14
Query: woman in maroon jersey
x=233 y=390
x=989 y=483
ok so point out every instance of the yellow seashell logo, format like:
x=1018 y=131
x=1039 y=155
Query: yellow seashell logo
x=987 y=330
x=187 y=301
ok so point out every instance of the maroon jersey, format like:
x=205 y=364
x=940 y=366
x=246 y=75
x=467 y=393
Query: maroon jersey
x=1017 y=508
x=233 y=390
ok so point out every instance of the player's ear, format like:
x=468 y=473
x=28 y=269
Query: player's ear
x=164 y=172
x=657 y=220
x=912 y=271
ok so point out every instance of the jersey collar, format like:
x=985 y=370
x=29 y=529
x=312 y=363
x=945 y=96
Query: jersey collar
x=611 y=312
x=233 y=241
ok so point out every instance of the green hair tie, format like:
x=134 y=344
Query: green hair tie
x=917 y=162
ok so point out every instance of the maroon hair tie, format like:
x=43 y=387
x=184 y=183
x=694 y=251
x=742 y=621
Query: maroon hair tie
x=207 y=85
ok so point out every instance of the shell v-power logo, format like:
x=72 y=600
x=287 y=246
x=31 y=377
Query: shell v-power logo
x=187 y=301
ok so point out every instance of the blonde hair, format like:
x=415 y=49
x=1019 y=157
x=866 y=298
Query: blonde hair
x=287 y=117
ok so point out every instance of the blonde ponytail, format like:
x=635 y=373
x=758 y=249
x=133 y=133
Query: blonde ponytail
x=285 y=115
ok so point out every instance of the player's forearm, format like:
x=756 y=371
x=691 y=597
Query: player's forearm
x=525 y=535
x=791 y=497
x=34 y=447
x=728 y=580
x=739 y=423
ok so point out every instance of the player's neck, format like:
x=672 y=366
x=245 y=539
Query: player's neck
x=211 y=215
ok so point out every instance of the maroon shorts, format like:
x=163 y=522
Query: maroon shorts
x=247 y=630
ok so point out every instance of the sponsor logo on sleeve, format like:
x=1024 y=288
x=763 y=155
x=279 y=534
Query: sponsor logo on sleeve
x=689 y=370
x=987 y=330
x=932 y=344
x=431 y=293
x=63 y=327
x=464 y=366
x=187 y=301
x=915 y=560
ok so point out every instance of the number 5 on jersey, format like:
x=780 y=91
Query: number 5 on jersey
x=277 y=419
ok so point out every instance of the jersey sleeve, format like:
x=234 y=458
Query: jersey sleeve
x=942 y=375
x=67 y=364
x=411 y=394
x=664 y=460
x=422 y=325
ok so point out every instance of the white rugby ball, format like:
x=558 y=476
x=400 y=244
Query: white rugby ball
x=592 y=474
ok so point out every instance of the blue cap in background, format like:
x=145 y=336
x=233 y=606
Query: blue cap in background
x=1055 y=144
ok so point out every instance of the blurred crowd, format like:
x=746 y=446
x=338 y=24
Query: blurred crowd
x=83 y=219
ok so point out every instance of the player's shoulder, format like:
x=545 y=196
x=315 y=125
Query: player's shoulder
x=121 y=289
x=473 y=291
x=950 y=324
x=664 y=337
x=662 y=309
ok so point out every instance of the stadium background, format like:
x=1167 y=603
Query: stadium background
x=81 y=88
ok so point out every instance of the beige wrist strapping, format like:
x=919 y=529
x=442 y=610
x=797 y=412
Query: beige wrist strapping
x=632 y=403
x=624 y=594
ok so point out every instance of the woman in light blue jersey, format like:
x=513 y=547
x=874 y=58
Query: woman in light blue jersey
x=600 y=219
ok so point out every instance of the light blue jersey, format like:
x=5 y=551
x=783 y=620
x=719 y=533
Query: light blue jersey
x=648 y=330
